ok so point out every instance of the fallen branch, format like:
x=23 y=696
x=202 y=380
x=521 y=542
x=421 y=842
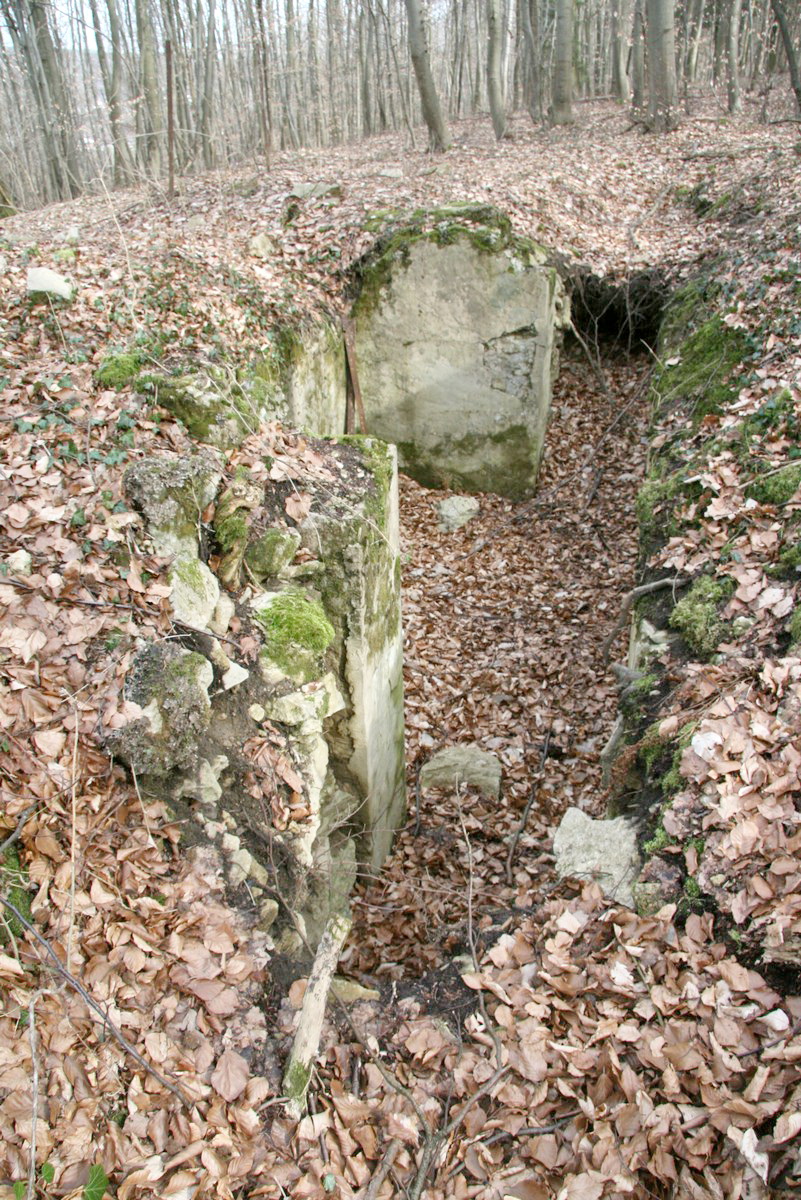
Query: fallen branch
x=529 y=803
x=644 y=589
x=77 y=986
x=307 y=1038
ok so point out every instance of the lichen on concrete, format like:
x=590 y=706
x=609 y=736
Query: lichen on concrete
x=171 y=494
x=170 y=685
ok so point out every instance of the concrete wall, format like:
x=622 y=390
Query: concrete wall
x=456 y=347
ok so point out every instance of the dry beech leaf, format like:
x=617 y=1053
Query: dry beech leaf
x=230 y=1077
x=298 y=505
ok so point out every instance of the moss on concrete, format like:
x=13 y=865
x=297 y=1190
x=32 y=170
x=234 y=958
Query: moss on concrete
x=297 y=632
x=271 y=552
x=696 y=616
x=486 y=228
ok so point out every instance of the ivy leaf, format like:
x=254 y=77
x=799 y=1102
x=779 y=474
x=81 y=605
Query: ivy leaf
x=96 y=1186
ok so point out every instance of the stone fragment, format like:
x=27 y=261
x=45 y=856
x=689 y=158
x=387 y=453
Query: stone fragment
x=234 y=676
x=604 y=851
x=43 y=281
x=195 y=591
x=204 y=786
x=456 y=511
x=19 y=563
x=468 y=765
x=171 y=686
x=171 y=494
x=348 y=991
x=268 y=912
x=315 y=191
x=391 y=173
x=263 y=246
x=222 y=615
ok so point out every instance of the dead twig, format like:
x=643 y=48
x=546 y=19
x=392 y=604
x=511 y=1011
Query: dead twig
x=644 y=589
x=17 y=833
x=592 y=359
x=384 y=1168
x=96 y=1008
x=529 y=804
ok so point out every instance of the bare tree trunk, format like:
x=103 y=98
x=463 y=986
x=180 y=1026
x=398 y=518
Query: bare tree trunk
x=620 y=22
x=662 y=86
x=789 y=50
x=733 y=56
x=149 y=107
x=438 y=136
x=562 y=87
x=529 y=15
x=494 y=55
x=638 y=60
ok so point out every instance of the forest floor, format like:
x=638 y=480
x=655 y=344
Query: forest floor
x=588 y=1051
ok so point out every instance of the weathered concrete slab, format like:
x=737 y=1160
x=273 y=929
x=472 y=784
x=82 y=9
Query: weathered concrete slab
x=456 y=337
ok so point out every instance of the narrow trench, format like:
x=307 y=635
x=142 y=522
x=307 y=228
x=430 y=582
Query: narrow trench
x=504 y=622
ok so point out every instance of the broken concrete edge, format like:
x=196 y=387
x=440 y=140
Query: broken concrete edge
x=321 y=712
x=299 y=378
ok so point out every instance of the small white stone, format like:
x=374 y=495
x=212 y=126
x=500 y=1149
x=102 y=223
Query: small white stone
x=257 y=713
x=19 y=563
x=230 y=843
x=234 y=676
x=195 y=591
x=50 y=283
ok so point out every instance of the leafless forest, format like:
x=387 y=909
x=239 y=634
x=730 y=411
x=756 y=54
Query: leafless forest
x=101 y=93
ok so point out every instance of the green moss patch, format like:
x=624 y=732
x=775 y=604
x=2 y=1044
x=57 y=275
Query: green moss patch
x=14 y=884
x=700 y=380
x=696 y=616
x=118 y=370
x=297 y=632
x=776 y=487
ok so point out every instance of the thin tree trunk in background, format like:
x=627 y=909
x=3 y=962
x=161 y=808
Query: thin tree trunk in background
x=662 y=87
x=529 y=13
x=170 y=122
x=620 y=23
x=494 y=56
x=333 y=13
x=149 y=108
x=733 y=56
x=562 y=88
x=789 y=50
x=438 y=136
x=399 y=74
x=694 y=46
x=638 y=60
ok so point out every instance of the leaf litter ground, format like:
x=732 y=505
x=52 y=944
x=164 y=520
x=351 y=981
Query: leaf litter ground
x=591 y=1052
